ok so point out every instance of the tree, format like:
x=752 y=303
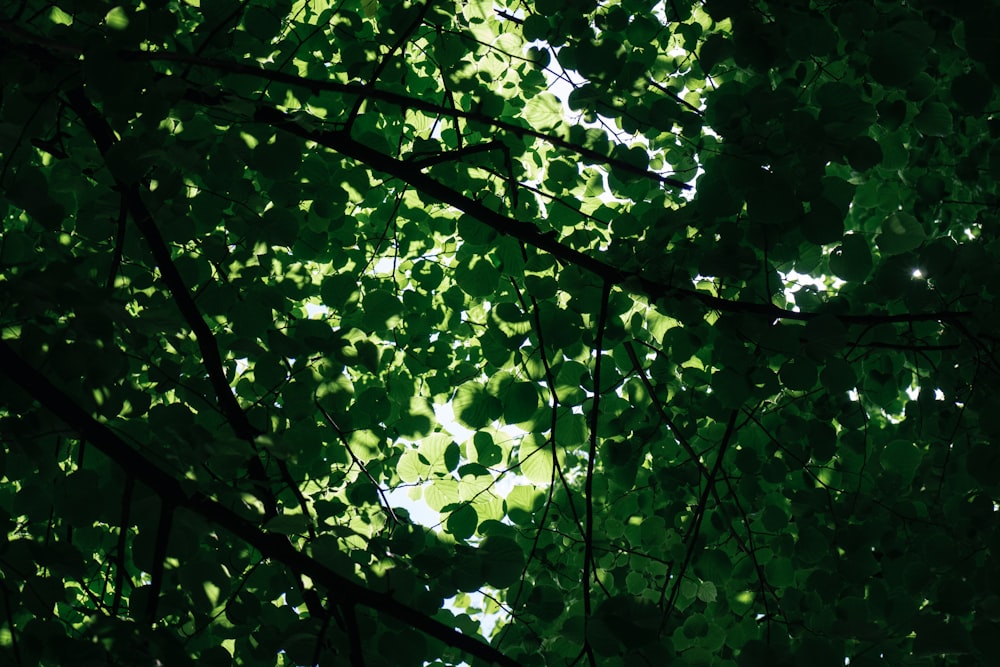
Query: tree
x=710 y=284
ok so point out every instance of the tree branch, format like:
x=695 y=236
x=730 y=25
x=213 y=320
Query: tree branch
x=368 y=92
x=384 y=62
x=632 y=281
x=588 y=535
x=159 y=559
x=272 y=546
x=104 y=138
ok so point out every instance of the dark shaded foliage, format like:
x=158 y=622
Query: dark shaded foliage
x=708 y=287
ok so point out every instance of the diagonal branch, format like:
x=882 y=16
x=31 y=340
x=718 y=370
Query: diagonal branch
x=386 y=505
x=380 y=68
x=365 y=91
x=105 y=140
x=667 y=419
x=691 y=538
x=273 y=546
x=632 y=281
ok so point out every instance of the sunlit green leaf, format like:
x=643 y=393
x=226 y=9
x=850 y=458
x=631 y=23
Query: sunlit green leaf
x=536 y=463
x=543 y=111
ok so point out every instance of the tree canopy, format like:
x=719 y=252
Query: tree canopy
x=709 y=288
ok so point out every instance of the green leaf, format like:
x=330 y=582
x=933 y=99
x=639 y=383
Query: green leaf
x=713 y=565
x=773 y=518
x=824 y=223
x=535 y=27
x=838 y=376
x=852 y=259
x=474 y=232
x=488 y=453
x=707 y=591
x=864 y=153
x=474 y=407
x=934 y=120
x=731 y=388
x=972 y=91
x=116 y=18
x=536 y=462
x=695 y=625
x=478 y=278
x=462 y=522
x=895 y=58
x=381 y=310
x=543 y=112
x=900 y=232
x=798 y=374
x=520 y=402
x=779 y=572
x=261 y=22
x=902 y=458
x=503 y=561
x=521 y=503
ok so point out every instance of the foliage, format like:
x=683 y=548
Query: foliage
x=251 y=249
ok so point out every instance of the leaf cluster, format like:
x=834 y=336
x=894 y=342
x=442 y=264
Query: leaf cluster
x=402 y=333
